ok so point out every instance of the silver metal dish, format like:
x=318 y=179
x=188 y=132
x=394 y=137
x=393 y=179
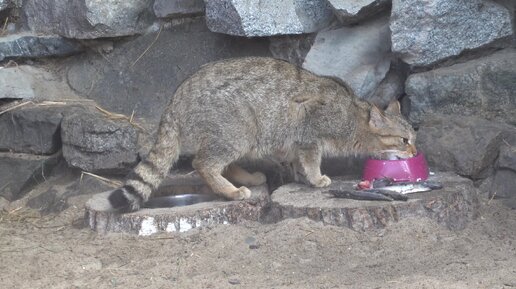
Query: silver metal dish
x=180 y=200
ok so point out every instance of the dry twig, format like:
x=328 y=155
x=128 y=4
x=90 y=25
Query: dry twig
x=15 y=106
x=113 y=183
x=118 y=116
x=152 y=43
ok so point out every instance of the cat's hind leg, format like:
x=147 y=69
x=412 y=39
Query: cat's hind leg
x=237 y=174
x=210 y=162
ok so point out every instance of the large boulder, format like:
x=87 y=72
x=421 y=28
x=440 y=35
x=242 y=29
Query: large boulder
x=19 y=173
x=352 y=11
x=32 y=83
x=267 y=17
x=426 y=32
x=484 y=87
x=359 y=55
x=178 y=8
x=31 y=129
x=468 y=146
x=35 y=46
x=144 y=83
x=94 y=143
x=87 y=19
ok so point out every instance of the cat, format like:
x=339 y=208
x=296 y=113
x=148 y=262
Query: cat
x=255 y=107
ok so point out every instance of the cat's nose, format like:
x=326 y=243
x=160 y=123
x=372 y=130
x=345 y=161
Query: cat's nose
x=412 y=149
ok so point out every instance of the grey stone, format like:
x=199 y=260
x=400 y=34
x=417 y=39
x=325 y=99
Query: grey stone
x=292 y=48
x=87 y=19
x=484 y=87
x=359 y=55
x=94 y=143
x=31 y=129
x=32 y=83
x=19 y=173
x=267 y=17
x=391 y=88
x=507 y=157
x=178 y=8
x=4 y=4
x=352 y=11
x=503 y=184
x=427 y=32
x=454 y=206
x=36 y=46
x=120 y=85
x=466 y=145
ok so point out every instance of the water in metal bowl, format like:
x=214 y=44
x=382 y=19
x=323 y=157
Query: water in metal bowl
x=180 y=200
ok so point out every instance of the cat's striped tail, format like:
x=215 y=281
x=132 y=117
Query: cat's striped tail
x=149 y=173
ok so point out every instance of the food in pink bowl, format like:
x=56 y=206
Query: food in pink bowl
x=414 y=169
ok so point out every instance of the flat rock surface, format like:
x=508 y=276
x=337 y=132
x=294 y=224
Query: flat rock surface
x=454 y=205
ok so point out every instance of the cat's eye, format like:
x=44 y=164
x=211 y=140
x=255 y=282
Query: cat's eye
x=405 y=140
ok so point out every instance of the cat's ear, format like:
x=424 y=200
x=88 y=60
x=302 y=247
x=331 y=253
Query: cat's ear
x=302 y=105
x=394 y=107
x=377 y=119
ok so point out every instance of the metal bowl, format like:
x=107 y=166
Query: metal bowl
x=180 y=200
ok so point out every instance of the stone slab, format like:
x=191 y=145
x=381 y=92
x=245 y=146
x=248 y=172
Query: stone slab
x=32 y=83
x=176 y=219
x=36 y=46
x=453 y=206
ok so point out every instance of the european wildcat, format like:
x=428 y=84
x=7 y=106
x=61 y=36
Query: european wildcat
x=254 y=107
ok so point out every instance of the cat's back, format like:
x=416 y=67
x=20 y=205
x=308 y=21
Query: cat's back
x=257 y=79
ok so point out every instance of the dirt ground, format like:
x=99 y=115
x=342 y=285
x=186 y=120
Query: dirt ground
x=57 y=251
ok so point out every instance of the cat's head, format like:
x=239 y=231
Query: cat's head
x=389 y=133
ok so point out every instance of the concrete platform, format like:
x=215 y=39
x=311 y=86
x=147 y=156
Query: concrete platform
x=453 y=206
x=177 y=219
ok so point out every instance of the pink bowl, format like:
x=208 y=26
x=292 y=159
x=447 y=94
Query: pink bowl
x=413 y=169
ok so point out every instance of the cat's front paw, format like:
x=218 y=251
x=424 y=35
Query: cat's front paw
x=324 y=181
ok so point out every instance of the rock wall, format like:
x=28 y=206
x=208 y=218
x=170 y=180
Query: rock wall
x=96 y=72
